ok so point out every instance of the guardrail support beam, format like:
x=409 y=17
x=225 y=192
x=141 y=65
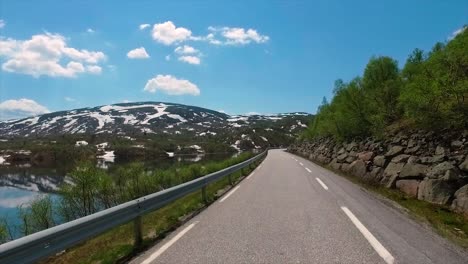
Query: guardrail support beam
x=230 y=179
x=137 y=232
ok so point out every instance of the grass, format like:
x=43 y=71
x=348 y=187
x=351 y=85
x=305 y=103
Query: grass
x=116 y=245
x=448 y=224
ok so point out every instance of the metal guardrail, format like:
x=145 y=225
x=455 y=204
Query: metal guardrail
x=34 y=247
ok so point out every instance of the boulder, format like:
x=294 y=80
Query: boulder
x=411 y=170
x=379 y=161
x=376 y=174
x=438 y=158
x=358 y=168
x=393 y=151
x=390 y=174
x=350 y=159
x=412 y=149
x=436 y=191
x=413 y=159
x=342 y=150
x=456 y=144
x=351 y=146
x=440 y=169
x=365 y=156
x=408 y=187
x=342 y=157
x=464 y=165
x=440 y=151
x=451 y=175
x=401 y=158
x=460 y=203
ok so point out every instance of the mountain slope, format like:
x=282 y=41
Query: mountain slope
x=144 y=118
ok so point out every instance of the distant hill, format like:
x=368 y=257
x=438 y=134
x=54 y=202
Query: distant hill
x=146 y=118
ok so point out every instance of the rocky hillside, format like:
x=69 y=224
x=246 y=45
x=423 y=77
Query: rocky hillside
x=424 y=165
x=146 y=118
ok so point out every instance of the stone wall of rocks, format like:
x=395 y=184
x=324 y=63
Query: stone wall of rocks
x=426 y=166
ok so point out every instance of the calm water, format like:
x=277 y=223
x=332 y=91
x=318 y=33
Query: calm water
x=21 y=184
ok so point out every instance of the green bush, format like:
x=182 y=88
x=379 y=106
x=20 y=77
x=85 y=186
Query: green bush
x=431 y=91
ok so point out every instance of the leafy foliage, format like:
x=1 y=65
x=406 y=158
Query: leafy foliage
x=431 y=91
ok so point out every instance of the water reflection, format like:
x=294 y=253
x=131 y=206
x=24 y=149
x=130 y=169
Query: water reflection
x=22 y=183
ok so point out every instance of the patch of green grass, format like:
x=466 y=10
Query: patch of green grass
x=116 y=245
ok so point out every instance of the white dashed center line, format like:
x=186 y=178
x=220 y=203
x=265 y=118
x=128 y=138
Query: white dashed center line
x=307 y=169
x=321 y=183
x=379 y=248
x=300 y=163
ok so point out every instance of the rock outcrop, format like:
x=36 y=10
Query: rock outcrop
x=423 y=165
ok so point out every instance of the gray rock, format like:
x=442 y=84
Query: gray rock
x=390 y=174
x=393 y=151
x=408 y=187
x=436 y=191
x=342 y=157
x=358 y=168
x=456 y=144
x=401 y=158
x=412 y=150
x=379 y=161
x=351 y=146
x=438 y=158
x=451 y=175
x=464 y=165
x=426 y=160
x=460 y=203
x=440 y=151
x=342 y=150
x=376 y=174
x=413 y=170
x=411 y=143
x=413 y=159
x=440 y=169
x=365 y=156
x=350 y=159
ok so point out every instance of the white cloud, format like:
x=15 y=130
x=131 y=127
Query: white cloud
x=69 y=99
x=47 y=54
x=94 y=69
x=240 y=36
x=186 y=49
x=2 y=23
x=21 y=108
x=167 y=33
x=168 y=57
x=138 y=53
x=171 y=85
x=456 y=32
x=235 y=36
x=143 y=26
x=90 y=30
x=190 y=59
x=126 y=101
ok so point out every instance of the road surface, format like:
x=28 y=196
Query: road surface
x=290 y=210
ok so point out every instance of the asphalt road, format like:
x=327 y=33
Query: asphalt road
x=290 y=210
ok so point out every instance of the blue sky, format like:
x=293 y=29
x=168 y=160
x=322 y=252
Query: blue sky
x=59 y=55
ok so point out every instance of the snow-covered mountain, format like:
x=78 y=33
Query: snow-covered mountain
x=145 y=118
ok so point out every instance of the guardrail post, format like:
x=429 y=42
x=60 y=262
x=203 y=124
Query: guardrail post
x=230 y=179
x=137 y=232
x=203 y=193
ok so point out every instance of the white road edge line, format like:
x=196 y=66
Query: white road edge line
x=229 y=194
x=300 y=163
x=161 y=250
x=307 y=169
x=381 y=250
x=248 y=177
x=321 y=183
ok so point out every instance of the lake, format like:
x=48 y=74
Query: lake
x=22 y=183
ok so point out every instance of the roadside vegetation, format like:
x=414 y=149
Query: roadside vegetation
x=91 y=189
x=430 y=92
